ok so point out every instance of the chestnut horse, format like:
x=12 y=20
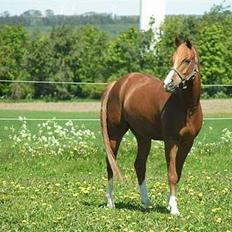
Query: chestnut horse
x=152 y=109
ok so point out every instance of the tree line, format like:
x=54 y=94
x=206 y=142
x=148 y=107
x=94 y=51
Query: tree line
x=35 y=19
x=87 y=54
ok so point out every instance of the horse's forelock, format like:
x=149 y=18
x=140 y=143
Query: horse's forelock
x=184 y=52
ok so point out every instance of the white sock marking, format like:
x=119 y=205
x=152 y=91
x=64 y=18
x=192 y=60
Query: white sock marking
x=144 y=195
x=172 y=205
x=109 y=194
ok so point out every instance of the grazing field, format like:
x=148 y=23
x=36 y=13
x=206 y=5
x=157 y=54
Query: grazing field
x=52 y=178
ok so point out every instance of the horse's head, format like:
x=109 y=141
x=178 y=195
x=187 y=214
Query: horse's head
x=184 y=69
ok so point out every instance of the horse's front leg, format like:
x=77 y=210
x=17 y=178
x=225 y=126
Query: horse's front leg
x=175 y=157
x=170 y=153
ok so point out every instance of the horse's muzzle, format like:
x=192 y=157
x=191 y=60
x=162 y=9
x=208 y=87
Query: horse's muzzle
x=170 y=87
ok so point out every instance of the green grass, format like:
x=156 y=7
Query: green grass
x=75 y=100
x=54 y=194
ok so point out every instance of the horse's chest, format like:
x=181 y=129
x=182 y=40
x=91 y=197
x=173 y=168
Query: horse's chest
x=173 y=120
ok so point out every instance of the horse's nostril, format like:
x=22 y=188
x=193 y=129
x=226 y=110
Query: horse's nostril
x=169 y=87
x=165 y=86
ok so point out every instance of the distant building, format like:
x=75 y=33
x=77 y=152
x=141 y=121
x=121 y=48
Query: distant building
x=151 y=10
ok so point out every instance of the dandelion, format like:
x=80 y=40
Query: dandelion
x=215 y=210
x=84 y=190
x=218 y=220
x=200 y=194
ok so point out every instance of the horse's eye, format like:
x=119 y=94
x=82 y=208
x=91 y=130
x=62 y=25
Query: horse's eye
x=187 y=61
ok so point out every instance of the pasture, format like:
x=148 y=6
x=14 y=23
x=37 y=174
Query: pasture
x=41 y=190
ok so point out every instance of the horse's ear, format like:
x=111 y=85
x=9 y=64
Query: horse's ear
x=178 y=42
x=188 y=43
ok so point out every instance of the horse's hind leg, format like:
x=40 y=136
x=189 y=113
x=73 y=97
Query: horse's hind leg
x=144 y=146
x=115 y=136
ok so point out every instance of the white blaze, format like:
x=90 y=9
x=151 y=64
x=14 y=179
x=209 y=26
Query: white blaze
x=151 y=8
x=168 y=79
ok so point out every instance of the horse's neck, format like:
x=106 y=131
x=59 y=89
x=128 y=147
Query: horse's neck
x=191 y=96
x=193 y=91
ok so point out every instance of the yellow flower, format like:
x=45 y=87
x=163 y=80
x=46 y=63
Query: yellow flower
x=200 y=194
x=215 y=210
x=84 y=190
x=218 y=220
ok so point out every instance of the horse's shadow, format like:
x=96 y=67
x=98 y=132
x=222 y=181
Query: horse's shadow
x=134 y=207
x=137 y=207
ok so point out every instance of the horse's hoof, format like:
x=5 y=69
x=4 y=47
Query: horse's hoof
x=147 y=204
x=173 y=211
x=172 y=206
x=110 y=205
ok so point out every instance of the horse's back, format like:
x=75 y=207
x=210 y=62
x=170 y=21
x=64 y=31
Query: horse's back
x=137 y=91
x=138 y=100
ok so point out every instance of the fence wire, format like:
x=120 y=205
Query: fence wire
x=84 y=119
x=84 y=83
x=89 y=83
x=54 y=82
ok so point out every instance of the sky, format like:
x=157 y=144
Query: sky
x=119 y=7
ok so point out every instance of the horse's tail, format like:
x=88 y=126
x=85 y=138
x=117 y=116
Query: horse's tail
x=110 y=155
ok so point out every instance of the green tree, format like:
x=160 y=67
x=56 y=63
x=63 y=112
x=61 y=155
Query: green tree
x=39 y=64
x=64 y=64
x=131 y=51
x=49 y=13
x=88 y=52
x=51 y=59
x=13 y=51
x=214 y=42
x=211 y=51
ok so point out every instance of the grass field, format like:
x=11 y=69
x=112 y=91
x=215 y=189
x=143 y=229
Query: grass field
x=47 y=192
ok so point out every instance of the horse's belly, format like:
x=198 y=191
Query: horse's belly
x=145 y=128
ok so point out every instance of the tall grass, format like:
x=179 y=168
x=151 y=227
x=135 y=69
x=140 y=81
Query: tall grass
x=44 y=190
